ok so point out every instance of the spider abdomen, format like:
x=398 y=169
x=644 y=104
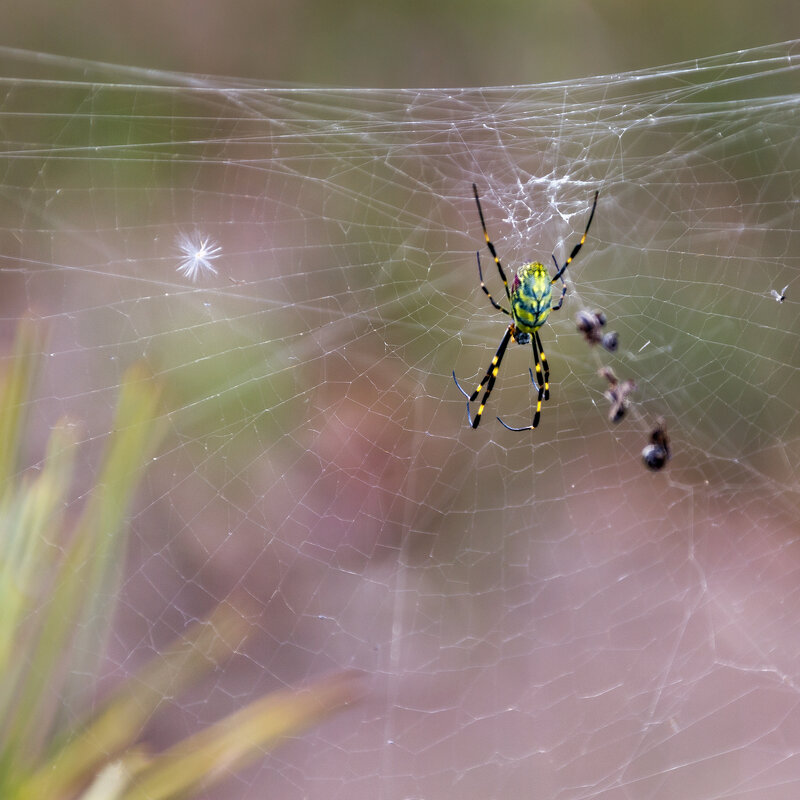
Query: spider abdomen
x=531 y=297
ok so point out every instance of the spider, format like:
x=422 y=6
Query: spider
x=531 y=301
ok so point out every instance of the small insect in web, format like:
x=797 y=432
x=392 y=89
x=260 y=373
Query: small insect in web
x=531 y=301
x=779 y=297
x=656 y=454
x=616 y=394
x=590 y=324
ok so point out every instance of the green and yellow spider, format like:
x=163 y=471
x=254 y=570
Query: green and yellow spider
x=531 y=298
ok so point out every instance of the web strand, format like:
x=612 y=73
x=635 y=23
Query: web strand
x=531 y=608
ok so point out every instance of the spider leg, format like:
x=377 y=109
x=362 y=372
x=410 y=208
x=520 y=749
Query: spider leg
x=460 y=389
x=488 y=379
x=542 y=384
x=540 y=360
x=490 y=245
x=545 y=367
x=538 y=412
x=575 y=251
x=483 y=286
x=563 y=288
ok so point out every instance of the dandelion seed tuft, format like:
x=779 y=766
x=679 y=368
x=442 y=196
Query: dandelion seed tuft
x=198 y=252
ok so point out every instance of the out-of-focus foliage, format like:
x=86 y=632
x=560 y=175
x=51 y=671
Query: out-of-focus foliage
x=398 y=43
x=58 y=579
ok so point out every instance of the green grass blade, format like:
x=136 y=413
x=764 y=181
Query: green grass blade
x=103 y=527
x=29 y=519
x=93 y=553
x=106 y=735
x=16 y=385
x=241 y=738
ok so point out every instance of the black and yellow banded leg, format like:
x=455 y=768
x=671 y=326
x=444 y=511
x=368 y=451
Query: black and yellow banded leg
x=563 y=287
x=491 y=376
x=536 y=415
x=575 y=251
x=491 y=248
x=542 y=359
x=488 y=379
x=486 y=291
x=537 y=362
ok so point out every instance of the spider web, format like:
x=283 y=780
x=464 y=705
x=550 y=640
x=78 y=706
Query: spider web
x=535 y=614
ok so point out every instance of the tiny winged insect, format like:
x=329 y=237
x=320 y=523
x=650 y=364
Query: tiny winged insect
x=779 y=297
x=656 y=454
x=531 y=301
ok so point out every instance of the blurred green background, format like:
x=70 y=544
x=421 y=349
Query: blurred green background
x=396 y=44
x=320 y=460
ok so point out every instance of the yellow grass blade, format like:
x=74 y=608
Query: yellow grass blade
x=241 y=738
x=119 y=724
